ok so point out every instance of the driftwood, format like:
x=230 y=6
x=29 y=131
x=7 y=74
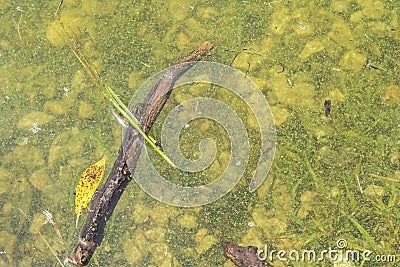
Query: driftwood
x=106 y=199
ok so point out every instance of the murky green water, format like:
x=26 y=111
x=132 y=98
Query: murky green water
x=334 y=177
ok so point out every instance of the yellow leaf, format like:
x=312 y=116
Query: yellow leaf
x=87 y=185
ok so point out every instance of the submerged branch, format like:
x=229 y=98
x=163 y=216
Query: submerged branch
x=121 y=174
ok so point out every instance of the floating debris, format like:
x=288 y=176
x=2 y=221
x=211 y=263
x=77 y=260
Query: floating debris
x=370 y=66
x=87 y=185
x=49 y=219
x=35 y=128
x=122 y=121
x=66 y=90
x=302 y=27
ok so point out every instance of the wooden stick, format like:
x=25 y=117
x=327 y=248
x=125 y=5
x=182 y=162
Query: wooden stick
x=121 y=174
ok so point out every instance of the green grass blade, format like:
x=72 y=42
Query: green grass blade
x=121 y=107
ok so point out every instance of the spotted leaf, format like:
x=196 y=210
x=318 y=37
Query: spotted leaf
x=87 y=185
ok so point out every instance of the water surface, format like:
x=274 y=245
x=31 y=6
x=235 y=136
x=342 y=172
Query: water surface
x=334 y=177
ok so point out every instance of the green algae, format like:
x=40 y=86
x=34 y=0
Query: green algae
x=321 y=167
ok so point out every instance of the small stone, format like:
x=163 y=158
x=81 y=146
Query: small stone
x=4 y=176
x=40 y=180
x=192 y=26
x=37 y=118
x=356 y=16
x=374 y=191
x=58 y=107
x=158 y=250
x=155 y=234
x=161 y=213
x=85 y=110
x=353 y=61
x=394 y=157
x=311 y=48
x=275 y=227
x=30 y=157
x=37 y=223
x=378 y=28
x=280 y=21
x=7 y=209
x=131 y=253
x=253 y=237
x=280 y=115
x=183 y=41
x=140 y=214
x=204 y=241
x=178 y=9
x=336 y=96
x=304 y=29
x=168 y=261
x=54 y=34
x=374 y=10
x=391 y=95
x=206 y=12
x=335 y=192
x=299 y=96
x=339 y=6
x=204 y=126
x=271 y=226
x=307 y=198
x=247 y=63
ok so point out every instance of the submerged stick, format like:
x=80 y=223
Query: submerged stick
x=105 y=201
